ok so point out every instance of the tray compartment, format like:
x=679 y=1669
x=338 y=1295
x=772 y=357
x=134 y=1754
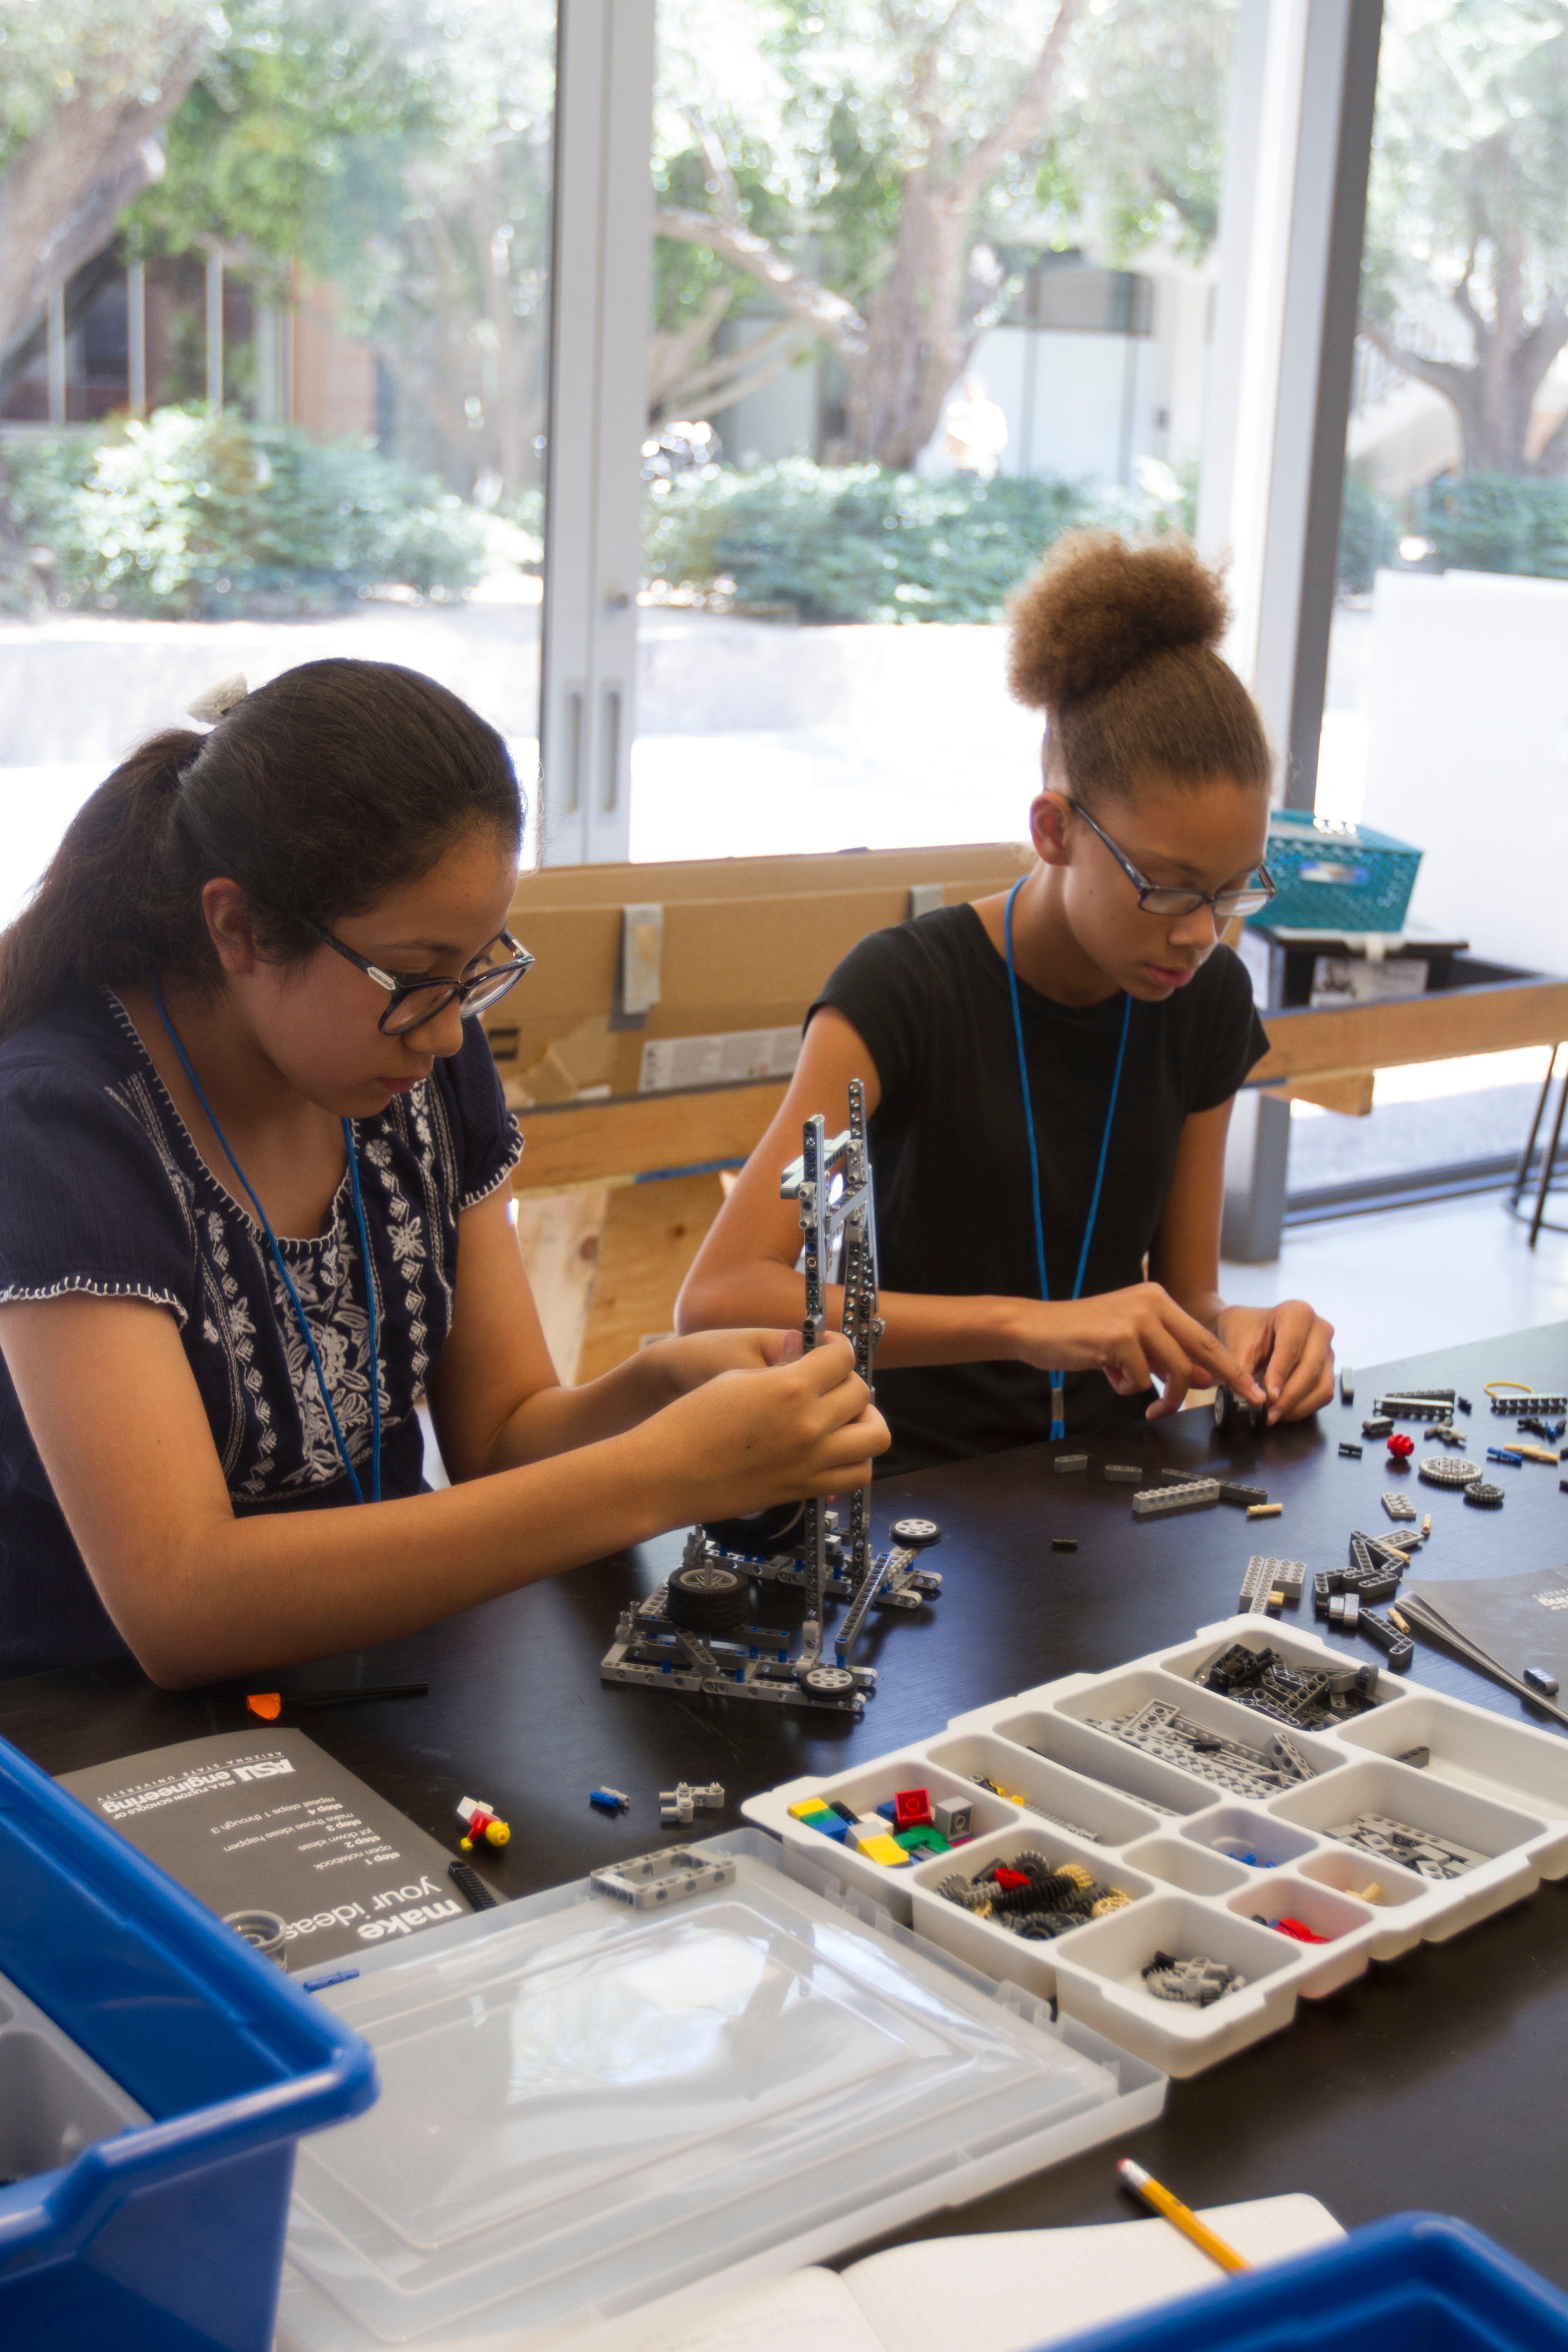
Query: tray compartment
x=995 y=1949
x=873 y=1784
x=1471 y=1747
x=1061 y=1739
x=1188 y=1866
x=1349 y=1927
x=1065 y=1800
x=1274 y=1841
x=1397 y=1791
x=1294 y=1645
x=1101 y=1979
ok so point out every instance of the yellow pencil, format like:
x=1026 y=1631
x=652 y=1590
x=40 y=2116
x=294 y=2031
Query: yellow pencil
x=1170 y=2208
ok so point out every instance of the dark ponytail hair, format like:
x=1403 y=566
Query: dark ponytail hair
x=317 y=794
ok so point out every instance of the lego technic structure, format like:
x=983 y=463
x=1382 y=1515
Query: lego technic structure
x=693 y=1633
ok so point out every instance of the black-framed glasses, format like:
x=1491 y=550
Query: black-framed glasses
x=418 y=997
x=1156 y=899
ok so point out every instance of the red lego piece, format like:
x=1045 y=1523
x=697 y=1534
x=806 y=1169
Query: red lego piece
x=912 y=1810
x=1298 y=1929
x=1006 y=1877
x=1401 y=1447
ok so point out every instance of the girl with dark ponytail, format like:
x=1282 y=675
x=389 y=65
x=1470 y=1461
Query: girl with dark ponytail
x=1050 y=1072
x=255 y=1169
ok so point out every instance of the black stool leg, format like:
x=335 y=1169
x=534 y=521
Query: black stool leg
x=1521 y=1173
x=1550 y=1162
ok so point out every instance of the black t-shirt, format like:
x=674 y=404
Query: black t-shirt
x=951 y=1158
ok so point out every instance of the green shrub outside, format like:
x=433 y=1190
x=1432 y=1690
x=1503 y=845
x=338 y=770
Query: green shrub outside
x=192 y=514
x=859 y=543
x=1497 y=522
x=1368 y=536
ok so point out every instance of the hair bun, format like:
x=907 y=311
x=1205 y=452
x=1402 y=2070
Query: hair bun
x=1097 y=607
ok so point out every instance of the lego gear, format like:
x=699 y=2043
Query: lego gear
x=1484 y=1497
x=1447 y=1470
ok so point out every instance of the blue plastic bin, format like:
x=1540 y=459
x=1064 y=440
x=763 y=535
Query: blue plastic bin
x=1418 y=2283
x=1336 y=877
x=169 y=2236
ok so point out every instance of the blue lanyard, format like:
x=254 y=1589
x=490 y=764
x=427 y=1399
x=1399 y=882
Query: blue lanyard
x=288 y=1279
x=1058 y=1426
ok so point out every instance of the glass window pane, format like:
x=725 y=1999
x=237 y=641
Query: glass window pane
x=284 y=396
x=928 y=290
x=1445 y=717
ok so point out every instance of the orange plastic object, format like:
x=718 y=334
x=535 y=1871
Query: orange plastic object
x=268 y=1705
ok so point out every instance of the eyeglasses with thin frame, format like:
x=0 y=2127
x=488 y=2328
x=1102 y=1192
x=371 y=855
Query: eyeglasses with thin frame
x=1156 y=899
x=417 y=998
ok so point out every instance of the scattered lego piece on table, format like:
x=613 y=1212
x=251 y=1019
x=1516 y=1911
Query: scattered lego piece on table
x=1064 y=1543
x=1264 y=1510
x=677 y=1805
x=1231 y=1411
x=1399 y=1507
x=481 y=1825
x=1166 y=1502
x=1378 y=1426
x=1347 y=1385
x=1505 y=1453
x=1400 y=1448
x=1200 y=1980
x=1348 y=1452
x=1123 y=1474
x=1345 y=1612
x=1398 y=1647
x=610 y=1800
x=1542 y=1679
x=651 y=1880
x=1067 y=1462
x=1233 y=1490
x=1482 y=1497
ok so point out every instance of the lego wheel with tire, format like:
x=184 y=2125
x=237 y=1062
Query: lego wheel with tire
x=827 y=1682
x=706 y=1597
x=1233 y=1413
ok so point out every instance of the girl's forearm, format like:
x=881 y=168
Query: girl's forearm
x=555 y=1419
x=275 y=1591
x=918 y=1328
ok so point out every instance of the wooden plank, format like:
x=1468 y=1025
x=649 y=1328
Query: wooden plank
x=587 y=1143
x=1439 y=1027
x=650 y=1237
x=750 y=877
x=1350 y=1096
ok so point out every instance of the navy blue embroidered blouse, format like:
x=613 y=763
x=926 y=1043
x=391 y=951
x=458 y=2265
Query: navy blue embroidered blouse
x=103 y=1191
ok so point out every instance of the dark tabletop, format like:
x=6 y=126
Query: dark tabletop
x=1439 y=2080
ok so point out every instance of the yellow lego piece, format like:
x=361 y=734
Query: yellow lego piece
x=1117 y=1900
x=1076 y=1872
x=887 y=1850
x=806 y=1807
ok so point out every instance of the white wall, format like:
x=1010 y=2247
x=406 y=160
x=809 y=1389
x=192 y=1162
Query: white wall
x=1467 y=753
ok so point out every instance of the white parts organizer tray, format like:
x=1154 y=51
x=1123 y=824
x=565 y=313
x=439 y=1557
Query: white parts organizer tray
x=1157 y=1833
x=587 y=2107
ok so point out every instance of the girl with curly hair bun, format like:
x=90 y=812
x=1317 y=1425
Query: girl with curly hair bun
x=1050 y=1072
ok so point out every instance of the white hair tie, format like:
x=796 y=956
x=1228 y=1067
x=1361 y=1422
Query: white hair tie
x=211 y=706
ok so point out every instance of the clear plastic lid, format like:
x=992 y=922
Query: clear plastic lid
x=585 y=2106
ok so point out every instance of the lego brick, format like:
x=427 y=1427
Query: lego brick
x=1064 y=1463
x=1398 y=1647
x=1377 y=1425
x=955 y=1818
x=1123 y=1474
x=1397 y=1506
x=651 y=1881
x=1064 y=1543
x=1165 y=1502
x=1233 y=1490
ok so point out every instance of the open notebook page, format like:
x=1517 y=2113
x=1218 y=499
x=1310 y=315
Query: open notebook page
x=1010 y=2293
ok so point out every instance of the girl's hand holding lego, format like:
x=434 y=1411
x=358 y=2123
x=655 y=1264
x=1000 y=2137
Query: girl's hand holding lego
x=752 y=1435
x=1134 y=1337
x=1290 y=1348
